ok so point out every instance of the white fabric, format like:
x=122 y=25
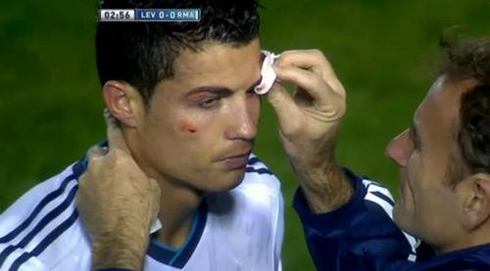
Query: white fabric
x=267 y=72
x=388 y=208
x=243 y=231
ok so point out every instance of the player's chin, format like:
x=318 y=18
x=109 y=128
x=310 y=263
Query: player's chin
x=228 y=180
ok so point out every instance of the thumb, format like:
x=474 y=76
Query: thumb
x=114 y=134
x=156 y=193
x=283 y=104
x=96 y=152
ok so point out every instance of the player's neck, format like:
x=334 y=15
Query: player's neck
x=178 y=201
x=178 y=206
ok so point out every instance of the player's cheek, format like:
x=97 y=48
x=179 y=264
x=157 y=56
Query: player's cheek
x=187 y=127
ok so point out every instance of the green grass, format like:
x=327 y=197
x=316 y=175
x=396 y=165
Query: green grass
x=50 y=101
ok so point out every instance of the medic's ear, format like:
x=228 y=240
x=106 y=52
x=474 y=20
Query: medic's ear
x=476 y=201
x=123 y=101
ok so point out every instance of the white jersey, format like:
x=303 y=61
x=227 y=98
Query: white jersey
x=237 y=230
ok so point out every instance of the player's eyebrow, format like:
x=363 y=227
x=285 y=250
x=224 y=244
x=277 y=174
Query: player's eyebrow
x=415 y=136
x=219 y=90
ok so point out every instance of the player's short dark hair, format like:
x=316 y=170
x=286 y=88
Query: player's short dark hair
x=470 y=59
x=143 y=53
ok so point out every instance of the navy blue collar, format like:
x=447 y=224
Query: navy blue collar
x=79 y=167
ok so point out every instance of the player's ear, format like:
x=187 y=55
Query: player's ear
x=476 y=201
x=124 y=102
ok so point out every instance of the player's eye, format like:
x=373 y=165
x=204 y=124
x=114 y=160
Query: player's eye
x=209 y=103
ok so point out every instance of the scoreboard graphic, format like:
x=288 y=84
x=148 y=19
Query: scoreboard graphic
x=149 y=15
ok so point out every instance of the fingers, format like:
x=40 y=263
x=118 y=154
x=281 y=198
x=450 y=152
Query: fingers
x=314 y=61
x=114 y=134
x=307 y=59
x=155 y=190
x=309 y=81
x=320 y=97
x=310 y=84
x=286 y=109
x=96 y=152
x=110 y=121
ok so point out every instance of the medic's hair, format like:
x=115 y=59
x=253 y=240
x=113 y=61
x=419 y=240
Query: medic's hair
x=143 y=53
x=469 y=58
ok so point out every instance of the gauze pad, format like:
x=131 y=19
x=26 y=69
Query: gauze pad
x=268 y=74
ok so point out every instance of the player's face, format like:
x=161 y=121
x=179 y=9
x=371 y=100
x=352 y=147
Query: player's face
x=201 y=124
x=427 y=205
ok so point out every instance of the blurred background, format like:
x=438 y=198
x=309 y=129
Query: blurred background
x=384 y=51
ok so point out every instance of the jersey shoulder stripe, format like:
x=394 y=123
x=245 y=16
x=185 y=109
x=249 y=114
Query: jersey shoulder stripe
x=260 y=171
x=253 y=160
x=255 y=165
x=51 y=216
x=46 y=241
x=382 y=197
x=42 y=225
x=45 y=201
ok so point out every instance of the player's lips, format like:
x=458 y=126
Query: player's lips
x=236 y=161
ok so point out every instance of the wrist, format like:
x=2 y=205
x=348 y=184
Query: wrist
x=326 y=187
x=119 y=250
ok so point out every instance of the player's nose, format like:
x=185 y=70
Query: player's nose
x=397 y=149
x=243 y=123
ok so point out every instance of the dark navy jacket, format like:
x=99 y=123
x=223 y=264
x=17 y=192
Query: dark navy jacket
x=361 y=235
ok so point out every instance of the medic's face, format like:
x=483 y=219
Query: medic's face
x=428 y=205
x=201 y=124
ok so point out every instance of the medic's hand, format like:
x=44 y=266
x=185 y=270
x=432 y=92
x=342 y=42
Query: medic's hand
x=117 y=203
x=309 y=123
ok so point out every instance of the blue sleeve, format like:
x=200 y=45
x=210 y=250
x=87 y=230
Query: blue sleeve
x=359 y=235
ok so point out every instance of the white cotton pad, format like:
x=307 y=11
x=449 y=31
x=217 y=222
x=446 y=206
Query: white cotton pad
x=156 y=226
x=268 y=74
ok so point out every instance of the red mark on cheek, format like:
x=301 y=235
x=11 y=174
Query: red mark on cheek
x=187 y=127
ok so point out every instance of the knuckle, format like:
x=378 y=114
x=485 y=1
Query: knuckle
x=318 y=53
x=118 y=157
x=277 y=98
x=285 y=57
x=117 y=152
x=292 y=130
x=340 y=112
x=281 y=60
x=93 y=164
x=318 y=81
